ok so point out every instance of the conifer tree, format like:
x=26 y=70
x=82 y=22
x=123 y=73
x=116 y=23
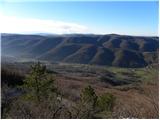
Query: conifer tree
x=39 y=84
x=87 y=106
x=88 y=96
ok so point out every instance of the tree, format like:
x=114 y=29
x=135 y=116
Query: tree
x=93 y=106
x=88 y=96
x=41 y=96
x=39 y=84
x=106 y=102
x=87 y=105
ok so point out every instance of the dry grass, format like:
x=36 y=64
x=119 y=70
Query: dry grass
x=130 y=103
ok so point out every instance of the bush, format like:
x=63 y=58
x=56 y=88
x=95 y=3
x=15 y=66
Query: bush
x=106 y=102
x=5 y=100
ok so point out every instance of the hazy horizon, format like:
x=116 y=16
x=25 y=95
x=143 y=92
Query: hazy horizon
x=45 y=34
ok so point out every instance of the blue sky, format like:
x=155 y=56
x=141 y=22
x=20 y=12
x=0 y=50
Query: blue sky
x=133 y=18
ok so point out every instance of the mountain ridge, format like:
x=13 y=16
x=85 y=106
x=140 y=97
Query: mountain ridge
x=110 y=49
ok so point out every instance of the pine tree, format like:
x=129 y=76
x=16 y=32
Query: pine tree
x=106 y=102
x=87 y=106
x=88 y=96
x=39 y=84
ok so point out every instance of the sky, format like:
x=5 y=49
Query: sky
x=105 y=17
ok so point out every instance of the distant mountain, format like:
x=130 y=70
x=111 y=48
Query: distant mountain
x=111 y=49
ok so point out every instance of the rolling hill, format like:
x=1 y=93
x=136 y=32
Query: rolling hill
x=110 y=49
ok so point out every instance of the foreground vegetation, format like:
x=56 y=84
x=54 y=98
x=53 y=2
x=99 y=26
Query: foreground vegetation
x=40 y=98
x=78 y=91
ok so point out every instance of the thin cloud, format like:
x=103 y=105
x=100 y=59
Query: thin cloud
x=11 y=24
